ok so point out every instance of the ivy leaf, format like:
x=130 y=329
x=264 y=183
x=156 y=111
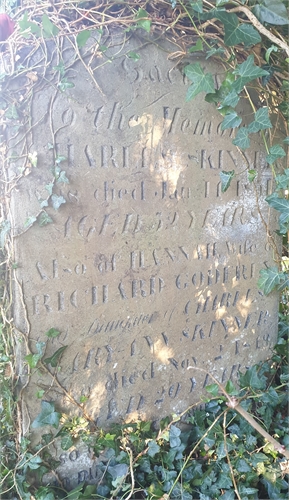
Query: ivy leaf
x=119 y=470
x=61 y=68
x=275 y=152
x=32 y=157
x=221 y=451
x=252 y=175
x=197 y=6
x=62 y=178
x=230 y=388
x=261 y=122
x=32 y=359
x=82 y=38
x=226 y=178
x=11 y=112
x=212 y=389
x=242 y=140
x=28 y=27
x=133 y=55
x=247 y=34
x=53 y=360
x=224 y=481
x=29 y=221
x=197 y=47
x=52 y=333
x=44 y=219
x=43 y=203
x=215 y=51
x=201 y=82
x=34 y=462
x=242 y=466
x=251 y=378
x=58 y=160
x=280 y=204
x=65 y=84
x=269 y=279
x=273 y=48
x=57 y=201
x=236 y=32
x=286 y=140
x=270 y=397
x=243 y=490
x=231 y=99
x=272 y=12
x=48 y=27
x=143 y=23
x=213 y=97
x=49 y=188
x=284 y=377
x=175 y=432
x=284 y=282
x=231 y=120
x=47 y=416
x=75 y=494
x=247 y=71
x=229 y=495
x=153 y=448
x=66 y=442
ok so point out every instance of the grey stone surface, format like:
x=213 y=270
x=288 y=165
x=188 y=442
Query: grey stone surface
x=148 y=270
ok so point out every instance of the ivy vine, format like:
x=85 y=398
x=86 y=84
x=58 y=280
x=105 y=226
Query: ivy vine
x=217 y=453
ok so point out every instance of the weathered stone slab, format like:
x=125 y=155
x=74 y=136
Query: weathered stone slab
x=148 y=270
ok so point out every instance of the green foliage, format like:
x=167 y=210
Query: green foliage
x=226 y=178
x=52 y=333
x=28 y=27
x=231 y=120
x=271 y=12
x=226 y=98
x=142 y=21
x=65 y=84
x=282 y=181
x=49 y=29
x=197 y=47
x=32 y=359
x=217 y=444
x=252 y=174
x=47 y=416
x=282 y=205
x=82 y=38
x=269 y=279
x=187 y=463
x=201 y=82
x=133 y=55
x=275 y=152
x=236 y=32
x=57 y=201
x=55 y=358
x=246 y=72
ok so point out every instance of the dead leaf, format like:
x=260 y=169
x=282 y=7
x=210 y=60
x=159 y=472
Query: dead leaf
x=32 y=75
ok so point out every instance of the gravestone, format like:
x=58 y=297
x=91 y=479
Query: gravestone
x=148 y=270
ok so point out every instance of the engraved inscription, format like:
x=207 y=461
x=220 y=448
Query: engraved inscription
x=148 y=270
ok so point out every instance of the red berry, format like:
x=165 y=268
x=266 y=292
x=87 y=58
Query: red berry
x=6 y=27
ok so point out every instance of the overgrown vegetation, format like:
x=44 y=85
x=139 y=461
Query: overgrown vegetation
x=212 y=451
